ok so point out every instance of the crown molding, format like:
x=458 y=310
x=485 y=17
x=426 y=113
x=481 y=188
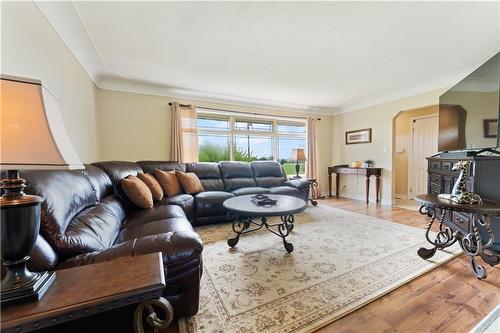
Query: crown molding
x=431 y=85
x=147 y=88
x=68 y=24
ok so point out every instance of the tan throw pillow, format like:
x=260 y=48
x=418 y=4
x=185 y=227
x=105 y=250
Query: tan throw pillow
x=189 y=182
x=168 y=182
x=137 y=191
x=153 y=185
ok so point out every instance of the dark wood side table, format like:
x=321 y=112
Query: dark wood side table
x=477 y=239
x=347 y=170
x=87 y=290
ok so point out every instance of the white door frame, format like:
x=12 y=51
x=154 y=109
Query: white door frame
x=410 y=151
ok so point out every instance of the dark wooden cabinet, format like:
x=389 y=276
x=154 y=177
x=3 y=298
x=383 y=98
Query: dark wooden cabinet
x=483 y=179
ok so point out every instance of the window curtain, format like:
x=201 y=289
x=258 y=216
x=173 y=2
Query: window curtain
x=312 y=163
x=184 y=135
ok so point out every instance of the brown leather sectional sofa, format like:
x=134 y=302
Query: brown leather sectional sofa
x=86 y=218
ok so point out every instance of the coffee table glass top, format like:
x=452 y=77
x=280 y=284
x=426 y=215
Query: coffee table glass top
x=286 y=205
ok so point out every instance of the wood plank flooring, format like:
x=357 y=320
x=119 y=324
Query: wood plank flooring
x=447 y=299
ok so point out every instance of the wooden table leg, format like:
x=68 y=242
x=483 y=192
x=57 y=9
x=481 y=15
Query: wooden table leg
x=329 y=184
x=377 y=188
x=337 y=181
x=367 y=189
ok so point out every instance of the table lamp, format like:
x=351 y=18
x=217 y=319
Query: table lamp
x=298 y=154
x=32 y=137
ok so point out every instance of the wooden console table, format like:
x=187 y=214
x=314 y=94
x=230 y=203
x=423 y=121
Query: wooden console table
x=367 y=172
x=87 y=290
x=477 y=238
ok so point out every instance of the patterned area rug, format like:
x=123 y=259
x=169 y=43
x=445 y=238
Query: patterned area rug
x=342 y=260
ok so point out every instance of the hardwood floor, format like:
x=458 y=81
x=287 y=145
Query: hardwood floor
x=447 y=299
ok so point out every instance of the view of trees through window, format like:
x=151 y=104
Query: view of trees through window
x=223 y=137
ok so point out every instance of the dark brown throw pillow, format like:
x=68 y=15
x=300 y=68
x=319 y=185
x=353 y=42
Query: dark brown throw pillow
x=189 y=182
x=153 y=185
x=168 y=181
x=137 y=191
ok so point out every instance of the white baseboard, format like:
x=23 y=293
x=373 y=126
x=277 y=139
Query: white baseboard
x=384 y=202
x=400 y=196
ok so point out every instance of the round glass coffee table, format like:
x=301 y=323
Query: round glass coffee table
x=247 y=212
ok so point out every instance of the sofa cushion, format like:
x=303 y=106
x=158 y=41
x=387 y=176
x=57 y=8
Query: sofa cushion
x=185 y=201
x=42 y=257
x=210 y=203
x=73 y=221
x=169 y=182
x=267 y=173
x=154 y=228
x=150 y=166
x=236 y=175
x=209 y=175
x=99 y=180
x=250 y=190
x=153 y=185
x=116 y=171
x=286 y=190
x=158 y=212
x=190 y=182
x=137 y=191
x=94 y=228
x=177 y=246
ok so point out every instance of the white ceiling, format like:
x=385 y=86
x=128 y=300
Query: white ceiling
x=322 y=57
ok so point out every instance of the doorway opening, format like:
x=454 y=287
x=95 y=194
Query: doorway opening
x=415 y=137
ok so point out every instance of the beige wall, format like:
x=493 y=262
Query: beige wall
x=32 y=49
x=401 y=146
x=137 y=126
x=380 y=119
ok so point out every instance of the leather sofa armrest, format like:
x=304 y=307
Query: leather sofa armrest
x=299 y=184
x=175 y=246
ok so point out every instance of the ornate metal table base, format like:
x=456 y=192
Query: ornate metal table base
x=471 y=242
x=241 y=226
x=152 y=318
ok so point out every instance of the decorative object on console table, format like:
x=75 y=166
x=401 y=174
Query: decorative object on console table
x=345 y=169
x=87 y=290
x=32 y=137
x=358 y=136
x=477 y=240
x=298 y=155
x=369 y=163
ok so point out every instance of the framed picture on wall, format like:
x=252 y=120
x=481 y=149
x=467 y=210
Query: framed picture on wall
x=490 y=128
x=358 y=136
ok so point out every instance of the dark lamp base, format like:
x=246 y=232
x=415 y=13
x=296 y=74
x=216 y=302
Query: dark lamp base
x=30 y=292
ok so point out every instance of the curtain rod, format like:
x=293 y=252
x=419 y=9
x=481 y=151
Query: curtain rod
x=250 y=113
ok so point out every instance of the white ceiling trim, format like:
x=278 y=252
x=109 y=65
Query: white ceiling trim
x=68 y=23
x=439 y=84
x=133 y=86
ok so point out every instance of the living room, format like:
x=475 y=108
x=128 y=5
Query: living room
x=250 y=166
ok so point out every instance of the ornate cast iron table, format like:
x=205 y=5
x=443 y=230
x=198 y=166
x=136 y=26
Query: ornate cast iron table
x=246 y=212
x=477 y=241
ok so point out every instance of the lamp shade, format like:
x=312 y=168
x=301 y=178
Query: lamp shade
x=32 y=131
x=298 y=154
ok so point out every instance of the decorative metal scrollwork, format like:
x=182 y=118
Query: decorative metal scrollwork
x=152 y=318
x=242 y=226
x=444 y=237
x=472 y=243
